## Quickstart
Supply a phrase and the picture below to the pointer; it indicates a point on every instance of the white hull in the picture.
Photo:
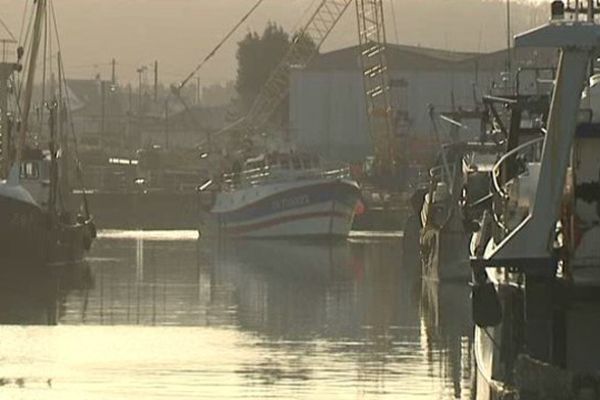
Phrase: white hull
(318, 207)
(325, 219)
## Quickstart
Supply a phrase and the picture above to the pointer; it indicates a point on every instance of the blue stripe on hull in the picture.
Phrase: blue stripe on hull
(292, 199)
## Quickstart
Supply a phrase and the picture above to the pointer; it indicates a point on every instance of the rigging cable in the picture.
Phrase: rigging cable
(220, 44)
(62, 80)
(7, 30)
(26, 29)
(44, 70)
(23, 20)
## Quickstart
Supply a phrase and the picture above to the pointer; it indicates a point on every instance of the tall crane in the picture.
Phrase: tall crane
(303, 49)
(376, 80)
(306, 45)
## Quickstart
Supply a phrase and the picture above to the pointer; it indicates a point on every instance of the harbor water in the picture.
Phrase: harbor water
(156, 315)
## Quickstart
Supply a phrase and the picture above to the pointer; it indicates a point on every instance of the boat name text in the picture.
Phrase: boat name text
(291, 202)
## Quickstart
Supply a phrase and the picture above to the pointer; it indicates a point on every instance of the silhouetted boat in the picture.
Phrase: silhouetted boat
(37, 225)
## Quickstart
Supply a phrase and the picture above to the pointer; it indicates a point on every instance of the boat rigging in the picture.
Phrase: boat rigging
(39, 225)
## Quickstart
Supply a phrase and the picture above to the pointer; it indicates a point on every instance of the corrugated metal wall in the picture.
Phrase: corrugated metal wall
(327, 110)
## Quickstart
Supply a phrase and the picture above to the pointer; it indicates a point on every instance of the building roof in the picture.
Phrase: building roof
(405, 57)
(85, 96)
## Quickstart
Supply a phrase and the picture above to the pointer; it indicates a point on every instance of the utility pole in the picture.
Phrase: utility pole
(103, 107)
(129, 138)
(130, 98)
(155, 81)
(167, 124)
(140, 72)
(114, 72)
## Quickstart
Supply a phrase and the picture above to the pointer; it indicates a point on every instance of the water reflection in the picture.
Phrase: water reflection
(307, 290)
(246, 319)
(447, 328)
(36, 295)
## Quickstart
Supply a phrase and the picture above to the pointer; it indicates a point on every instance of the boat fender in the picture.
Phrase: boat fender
(87, 240)
(93, 230)
(89, 235)
(487, 310)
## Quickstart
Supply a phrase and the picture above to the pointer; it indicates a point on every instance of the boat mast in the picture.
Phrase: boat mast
(26, 107)
(508, 42)
(62, 115)
(6, 70)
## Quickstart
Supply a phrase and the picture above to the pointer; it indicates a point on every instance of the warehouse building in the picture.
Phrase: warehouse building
(327, 107)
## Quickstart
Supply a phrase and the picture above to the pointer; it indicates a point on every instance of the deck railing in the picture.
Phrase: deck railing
(268, 174)
(508, 212)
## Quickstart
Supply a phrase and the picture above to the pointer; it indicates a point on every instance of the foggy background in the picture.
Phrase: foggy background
(179, 33)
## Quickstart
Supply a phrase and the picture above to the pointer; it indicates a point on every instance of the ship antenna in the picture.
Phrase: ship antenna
(508, 42)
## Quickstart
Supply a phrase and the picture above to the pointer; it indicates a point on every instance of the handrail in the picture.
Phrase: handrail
(502, 160)
(266, 174)
(443, 173)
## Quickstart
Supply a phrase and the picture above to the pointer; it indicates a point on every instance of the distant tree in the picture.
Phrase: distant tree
(257, 56)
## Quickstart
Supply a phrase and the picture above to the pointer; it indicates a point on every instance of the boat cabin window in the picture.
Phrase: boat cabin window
(30, 170)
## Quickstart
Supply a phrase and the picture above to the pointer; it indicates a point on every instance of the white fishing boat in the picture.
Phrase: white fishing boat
(286, 195)
(454, 195)
(536, 260)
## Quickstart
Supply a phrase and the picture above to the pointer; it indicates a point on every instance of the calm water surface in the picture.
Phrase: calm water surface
(162, 315)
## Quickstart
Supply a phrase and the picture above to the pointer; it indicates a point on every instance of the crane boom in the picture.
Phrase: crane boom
(303, 49)
(375, 75)
(376, 80)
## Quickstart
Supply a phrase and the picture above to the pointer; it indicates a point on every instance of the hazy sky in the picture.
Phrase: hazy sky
(179, 33)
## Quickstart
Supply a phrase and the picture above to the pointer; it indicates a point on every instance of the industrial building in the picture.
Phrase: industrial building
(327, 106)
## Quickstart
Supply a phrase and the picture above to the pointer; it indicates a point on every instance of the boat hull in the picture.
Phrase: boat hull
(445, 252)
(317, 208)
(23, 233)
(28, 238)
